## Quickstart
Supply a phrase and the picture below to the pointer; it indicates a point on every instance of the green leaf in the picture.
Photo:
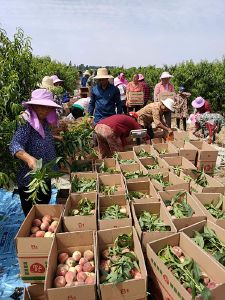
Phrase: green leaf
(196, 272)
(206, 294)
(39, 163)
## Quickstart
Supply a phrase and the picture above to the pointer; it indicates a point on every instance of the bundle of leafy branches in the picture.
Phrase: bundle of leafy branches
(216, 210)
(160, 179)
(108, 190)
(83, 184)
(211, 243)
(153, 167)
(179, 209)
(85, 208)
(137, 195)
(134, 175)
(188, 139)
(123, 262)
(143, 153)
(187, 272)
(80, 167)
(104, 169)
(162, 152)
(150, 222)
(200, 180)
(177, 169)
(123, 161)
(114, 212)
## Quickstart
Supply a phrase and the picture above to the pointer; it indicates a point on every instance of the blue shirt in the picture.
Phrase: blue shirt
(83, 81)
(28, 139)
(104, 102)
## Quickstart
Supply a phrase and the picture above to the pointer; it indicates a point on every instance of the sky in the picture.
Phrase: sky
(120, 32)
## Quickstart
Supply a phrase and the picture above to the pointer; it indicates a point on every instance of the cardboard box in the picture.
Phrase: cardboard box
(150, 161)
(133, 168)
(34, 292)
(179, 161)
(206, 152)
(79, 223)
(84, 89)
(62, 196)
(147, 148)
(144, 186)
(187, 221)
(181, 135)
(113, 179)
(33, 252)
(153, 208)
(207, 198)
(178, 183)
(158, 141)
(209, 167)
(166, 146)
(128, 155)
(111, 163)
(164, 96)
(83, 95)
(130, 289)
(136, 98)
(170, 286)
(214, 185)
(186, 150)
(68, 243)
(105, 202)
(86, 175)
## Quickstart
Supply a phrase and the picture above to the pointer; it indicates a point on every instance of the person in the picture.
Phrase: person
(122, 79)
(80, 74)
(202, 106)
(113, 131)
(181, 107)
(117, 78)
(111, 79)
(56, 80)
(80, 107)
(163, 87)
(91, 82)
(133, 86)
(34, 141)
(146, 89)
(85, 78)
(122, 87)
(153, 112)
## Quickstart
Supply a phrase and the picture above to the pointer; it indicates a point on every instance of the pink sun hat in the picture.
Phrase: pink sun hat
(140, 77)
(42, 97)
(198, 102)
(56, 79)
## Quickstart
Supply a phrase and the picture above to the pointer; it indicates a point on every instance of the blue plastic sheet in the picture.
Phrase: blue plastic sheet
(11, 218)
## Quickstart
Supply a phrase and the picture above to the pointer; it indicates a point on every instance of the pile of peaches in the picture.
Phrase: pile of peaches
(43, 228)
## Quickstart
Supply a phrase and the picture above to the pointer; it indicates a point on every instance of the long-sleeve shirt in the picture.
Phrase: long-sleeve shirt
(163, 88)
(122, 125)
(28, 139)
(103, 102)
(151, 113)
(206, 107)
(83, 81)
(146, 91)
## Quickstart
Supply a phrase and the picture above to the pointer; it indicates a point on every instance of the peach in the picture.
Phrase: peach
(81, 276)
(120, 188)
(87, 267)
(88, 254)
(34, 229)
(82, 261)
(87, 274)
(170, 269)
(69, 284)
(125, 250)
(61, 271)
(36, 222)
(193, 215)
(76, 255)
(92, 274)
(182, 259)
(93, 211)
(78, 268)
(90, 280)
(59, 282)
(133, 272)
(47, 219)
(70, 277)
(63, 257)
(189, 290)
(169, 207)
(66, 267)
(44, 226)
(173, 217)
(105, 267)
(40, 233)
(123, 210)
(52, 228)
(211, 285)
(137, 275)
(60, 266)
(77, 283)
(92, 264)
(115, 258)
(33, 235)
(70, 262)
(72, 269)
(102, 278)
(48, 234)
(205, 278)
(105, 253)
(54, 223)
(177, 251)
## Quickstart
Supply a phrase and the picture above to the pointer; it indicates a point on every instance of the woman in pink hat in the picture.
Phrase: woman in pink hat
(202, 106)
(57, 98)
(34, 141)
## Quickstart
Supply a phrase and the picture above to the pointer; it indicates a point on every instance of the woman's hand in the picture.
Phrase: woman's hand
(170, 131)
(32, 163)
(58, 138)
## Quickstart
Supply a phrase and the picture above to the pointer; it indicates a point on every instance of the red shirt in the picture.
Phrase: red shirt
(205, 108)
(122, 125)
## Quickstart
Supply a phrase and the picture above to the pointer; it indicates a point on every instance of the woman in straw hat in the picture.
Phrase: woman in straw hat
(85, 78)
(34, 141)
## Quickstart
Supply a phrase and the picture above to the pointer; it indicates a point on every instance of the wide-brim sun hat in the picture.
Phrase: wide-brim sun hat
(102, 73)
(141, 77)
(56, 79)
(47, 82)
(42, 97)
(166, 75)
(169, 103)
(198, 102)
(86, 73)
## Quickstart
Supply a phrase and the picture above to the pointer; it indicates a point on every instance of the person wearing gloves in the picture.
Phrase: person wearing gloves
(163, 87)
(34, 141)
(113, 131)
(201, 106)
(181, 107)
(153, 112)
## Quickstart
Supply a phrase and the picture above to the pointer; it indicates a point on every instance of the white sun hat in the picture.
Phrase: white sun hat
(169, 103)
(166, 75)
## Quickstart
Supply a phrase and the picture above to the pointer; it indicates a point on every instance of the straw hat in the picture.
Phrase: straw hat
(166, 75)
(169, 103)
(86, 73)
(42, 97)
(47, 82)
(102, 73)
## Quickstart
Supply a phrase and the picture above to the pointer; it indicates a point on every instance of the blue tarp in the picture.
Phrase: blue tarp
(11, 218)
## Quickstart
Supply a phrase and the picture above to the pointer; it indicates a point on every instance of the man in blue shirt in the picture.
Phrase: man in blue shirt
(85, 78)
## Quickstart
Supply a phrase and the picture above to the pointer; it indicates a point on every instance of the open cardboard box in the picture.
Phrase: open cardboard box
(166, 146)
(68, 243)
(171, 288)
(153, 208)
(144, 186)
(186, 221)
(158, 141)
(132, 168)
(62, 196)
(129, 289)
(214, 185)
(111, 163)
(150, 161)
(180, 136)
(111, 180)
(128, 155)
(79, 223)
(206, 152)
(178, 161)
(87, 175)
(147, 148)
(186, 150)
(105, 202)
(34, 292)
(207, 198)
(177, 182)
(33, 252)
